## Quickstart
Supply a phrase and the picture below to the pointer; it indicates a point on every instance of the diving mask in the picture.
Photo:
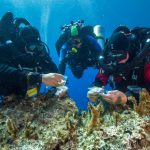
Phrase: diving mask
(35, 47)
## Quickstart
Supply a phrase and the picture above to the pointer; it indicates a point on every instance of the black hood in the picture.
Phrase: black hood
(118, 41)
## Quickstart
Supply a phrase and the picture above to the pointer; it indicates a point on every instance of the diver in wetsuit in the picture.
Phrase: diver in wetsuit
(17, 64)
(126, 59)
(79, 49)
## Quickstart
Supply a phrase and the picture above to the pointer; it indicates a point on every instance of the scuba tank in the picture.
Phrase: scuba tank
(99, 32)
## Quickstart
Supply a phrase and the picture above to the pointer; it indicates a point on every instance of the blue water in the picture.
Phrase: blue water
(49, 15)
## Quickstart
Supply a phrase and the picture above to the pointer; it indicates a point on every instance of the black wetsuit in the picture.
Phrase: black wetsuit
(135, 72)
(12, 79)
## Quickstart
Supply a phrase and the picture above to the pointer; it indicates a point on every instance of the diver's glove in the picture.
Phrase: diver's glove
(53, 79)
(94, 93)
(114, 97)
(61, 91)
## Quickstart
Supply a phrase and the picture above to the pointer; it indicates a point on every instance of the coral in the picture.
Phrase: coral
(117, 118)
(5, 148)
(29, 134)
(134, 101)
(95, 114)
(11, 128)
(144, 105)
(143, 108)
(72, 125)
(49, 123)
(109, 136)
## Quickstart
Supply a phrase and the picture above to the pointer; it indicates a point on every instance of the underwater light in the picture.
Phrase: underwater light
(101, 57)
(148, 40)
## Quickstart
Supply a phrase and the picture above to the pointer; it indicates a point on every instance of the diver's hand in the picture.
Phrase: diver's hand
(115, 97)
(62, 91)
(94, 93)
(53, 79)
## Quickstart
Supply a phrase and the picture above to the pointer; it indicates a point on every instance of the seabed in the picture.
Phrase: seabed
(50, 123)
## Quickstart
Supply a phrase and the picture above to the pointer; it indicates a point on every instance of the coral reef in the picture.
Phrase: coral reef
(50, 123)
(143, 108)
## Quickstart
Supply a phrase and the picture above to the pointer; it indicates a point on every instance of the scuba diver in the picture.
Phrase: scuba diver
(78, 48)
(24, 60)
(127, 60)
(24, 45)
